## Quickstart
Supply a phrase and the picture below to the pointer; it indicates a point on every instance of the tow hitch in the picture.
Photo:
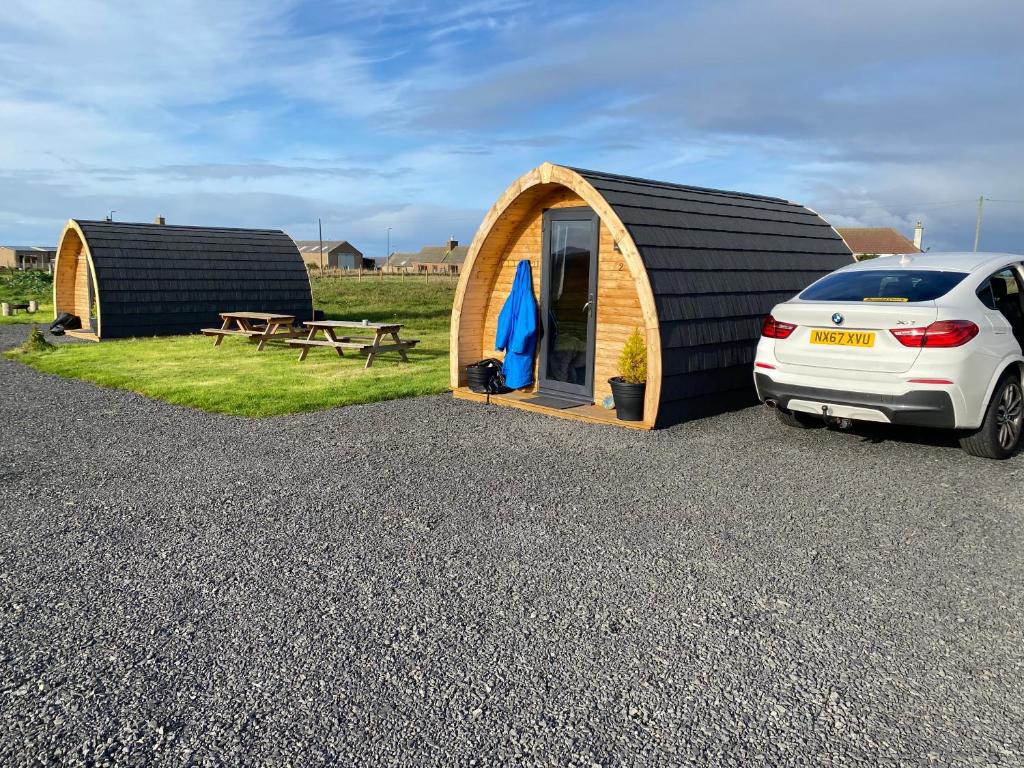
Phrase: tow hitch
(836, 422)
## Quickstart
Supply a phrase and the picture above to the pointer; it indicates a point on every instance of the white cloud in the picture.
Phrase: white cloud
(387, 109)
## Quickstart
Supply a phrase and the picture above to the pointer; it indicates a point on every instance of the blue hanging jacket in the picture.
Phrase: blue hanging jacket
(517, 329)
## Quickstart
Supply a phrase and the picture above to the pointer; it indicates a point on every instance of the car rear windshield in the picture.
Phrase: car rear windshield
(884, 285)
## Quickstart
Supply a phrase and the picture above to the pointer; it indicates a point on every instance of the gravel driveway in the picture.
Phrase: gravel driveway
(432, 582)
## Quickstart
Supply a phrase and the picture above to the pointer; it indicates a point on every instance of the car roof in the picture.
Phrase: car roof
(953, 262)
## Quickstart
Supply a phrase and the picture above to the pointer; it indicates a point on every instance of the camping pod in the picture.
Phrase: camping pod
(125, 280)
(694, 269)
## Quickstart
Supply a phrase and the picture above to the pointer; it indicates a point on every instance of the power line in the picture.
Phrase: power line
(911, 206)
(915, 206)
(939, 205)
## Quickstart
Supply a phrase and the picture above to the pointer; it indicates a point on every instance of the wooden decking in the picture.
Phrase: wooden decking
(82, 334)
(593, 414)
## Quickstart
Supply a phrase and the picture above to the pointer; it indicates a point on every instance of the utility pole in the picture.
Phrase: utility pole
(387, 253)
(320, 229)
(977, 225)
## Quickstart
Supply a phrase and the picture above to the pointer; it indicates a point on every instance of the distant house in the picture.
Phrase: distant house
(446, 259)
(869, 242)
(401, 261)
(27, 257)
(338, 254)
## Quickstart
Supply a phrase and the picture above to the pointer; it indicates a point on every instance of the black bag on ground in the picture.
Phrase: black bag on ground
(485, 377)
(65, 322)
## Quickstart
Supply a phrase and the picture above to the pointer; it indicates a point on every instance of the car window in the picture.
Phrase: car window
(1009, 276)
(985, 294)
(1001, 287)
(884, 285)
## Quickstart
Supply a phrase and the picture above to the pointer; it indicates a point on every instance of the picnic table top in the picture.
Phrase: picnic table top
(349, 324)
(258, 315)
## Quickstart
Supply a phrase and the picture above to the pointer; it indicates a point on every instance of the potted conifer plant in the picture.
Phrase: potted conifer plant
(629, 387)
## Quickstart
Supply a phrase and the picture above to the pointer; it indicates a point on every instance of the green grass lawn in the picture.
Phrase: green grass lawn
(236, 379)
(20, 287)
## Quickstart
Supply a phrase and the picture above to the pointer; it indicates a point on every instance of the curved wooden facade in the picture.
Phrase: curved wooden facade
(695, 269)
(126, 280)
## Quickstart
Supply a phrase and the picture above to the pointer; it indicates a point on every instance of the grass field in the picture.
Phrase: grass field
(21, 287)
(236, 379)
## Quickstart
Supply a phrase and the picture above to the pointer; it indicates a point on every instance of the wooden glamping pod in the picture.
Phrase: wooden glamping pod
(696, 270)
(126, 280)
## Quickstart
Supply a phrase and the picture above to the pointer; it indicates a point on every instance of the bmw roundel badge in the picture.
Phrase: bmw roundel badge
(837, 319)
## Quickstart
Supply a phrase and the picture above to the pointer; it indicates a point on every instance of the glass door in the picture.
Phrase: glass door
(568, 295)
(93, 326)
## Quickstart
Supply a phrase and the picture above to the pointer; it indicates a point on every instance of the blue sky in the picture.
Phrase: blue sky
(416, 115)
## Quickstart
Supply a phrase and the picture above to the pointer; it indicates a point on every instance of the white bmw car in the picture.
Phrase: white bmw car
(932, 339)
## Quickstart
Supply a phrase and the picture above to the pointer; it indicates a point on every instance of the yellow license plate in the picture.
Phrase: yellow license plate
(843, 338)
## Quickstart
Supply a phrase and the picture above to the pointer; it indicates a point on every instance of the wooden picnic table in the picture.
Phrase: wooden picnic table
(245, 324)
(363, 344)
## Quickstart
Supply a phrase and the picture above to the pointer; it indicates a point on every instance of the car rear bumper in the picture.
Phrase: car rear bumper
(919, 408)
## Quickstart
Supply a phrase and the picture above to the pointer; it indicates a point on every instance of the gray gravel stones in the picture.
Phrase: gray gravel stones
(431, 582)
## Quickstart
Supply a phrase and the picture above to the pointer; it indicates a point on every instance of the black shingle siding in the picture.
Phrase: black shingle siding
(158, 280)
(707, 357)
(622, 201)
(713, 259)
(717, 262)
(640, 189)
(665, 281)
(698, 221)
(725, 305)
(816, 240)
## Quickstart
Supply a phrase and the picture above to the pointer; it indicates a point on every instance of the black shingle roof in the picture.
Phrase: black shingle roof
(164, 279)
(718, 261)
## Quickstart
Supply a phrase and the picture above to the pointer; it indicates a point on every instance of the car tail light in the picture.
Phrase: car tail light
(765, 365)
(775, 329)
(942, 333)
(929, 381)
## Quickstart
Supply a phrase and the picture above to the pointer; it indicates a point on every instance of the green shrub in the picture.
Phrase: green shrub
(29, 281)
(633, 360)
(36, 342)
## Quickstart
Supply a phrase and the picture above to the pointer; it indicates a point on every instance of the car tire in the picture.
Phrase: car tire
(797, 420)
(1000, 433)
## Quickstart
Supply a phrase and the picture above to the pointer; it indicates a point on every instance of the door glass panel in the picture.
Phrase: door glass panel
(568, 321)
(1006, 296)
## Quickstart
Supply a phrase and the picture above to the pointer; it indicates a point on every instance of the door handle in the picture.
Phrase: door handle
(588, 306)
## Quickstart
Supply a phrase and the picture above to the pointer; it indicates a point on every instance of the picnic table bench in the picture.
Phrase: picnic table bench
(365, 345)
(256, 326)
(12, 308)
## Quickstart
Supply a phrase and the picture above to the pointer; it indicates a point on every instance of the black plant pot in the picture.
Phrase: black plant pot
(629, 399)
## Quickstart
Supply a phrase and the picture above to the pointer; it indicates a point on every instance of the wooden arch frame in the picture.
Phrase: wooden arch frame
(494, 233)
(73, 230)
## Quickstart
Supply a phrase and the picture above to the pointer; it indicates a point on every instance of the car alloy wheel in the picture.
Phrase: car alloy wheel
(1010, 415)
